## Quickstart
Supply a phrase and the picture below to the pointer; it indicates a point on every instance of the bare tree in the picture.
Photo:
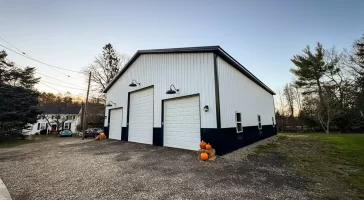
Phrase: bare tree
(289, 94)
(104, 68)
(328, 111)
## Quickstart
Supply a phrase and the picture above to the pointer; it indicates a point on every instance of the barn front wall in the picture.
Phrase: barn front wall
(218, 85)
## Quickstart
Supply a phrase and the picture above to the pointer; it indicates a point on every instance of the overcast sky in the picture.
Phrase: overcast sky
(261, 35)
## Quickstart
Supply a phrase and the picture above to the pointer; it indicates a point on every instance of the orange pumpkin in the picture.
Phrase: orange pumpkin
(208, 147)
(204, 156)
(202, 144)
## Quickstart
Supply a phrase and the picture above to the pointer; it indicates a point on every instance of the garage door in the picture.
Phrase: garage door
(141, 116)
(182, 123)
(116, 118)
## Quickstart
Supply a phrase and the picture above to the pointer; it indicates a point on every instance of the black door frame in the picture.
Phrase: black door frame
(108, 120)
(128, 112)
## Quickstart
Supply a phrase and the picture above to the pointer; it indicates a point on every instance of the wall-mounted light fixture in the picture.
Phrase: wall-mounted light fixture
(110, 104)
(172, 91)
(134, 83)
(206, 108)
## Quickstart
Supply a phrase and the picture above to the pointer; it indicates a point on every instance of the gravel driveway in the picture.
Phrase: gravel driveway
(69, 168)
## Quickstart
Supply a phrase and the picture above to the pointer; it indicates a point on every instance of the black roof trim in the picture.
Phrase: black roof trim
(215, 49)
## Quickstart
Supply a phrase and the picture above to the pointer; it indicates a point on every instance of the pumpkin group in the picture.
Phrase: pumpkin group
(204, 156)
(208, 147)
(202, 144)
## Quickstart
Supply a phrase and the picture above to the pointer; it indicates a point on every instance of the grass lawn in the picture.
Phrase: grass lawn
(27, 140)
(335, 162)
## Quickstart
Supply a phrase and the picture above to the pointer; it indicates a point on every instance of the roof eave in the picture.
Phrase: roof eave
(216, 49)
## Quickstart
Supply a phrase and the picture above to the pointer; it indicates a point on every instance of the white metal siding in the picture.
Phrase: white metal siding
(192, 73)
(141, 116)
(182, 123)
(115, 123)
(240, 94)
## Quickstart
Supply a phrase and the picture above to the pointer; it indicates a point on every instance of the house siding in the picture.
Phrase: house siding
(191, 73)
(34, 127)
(240, 94)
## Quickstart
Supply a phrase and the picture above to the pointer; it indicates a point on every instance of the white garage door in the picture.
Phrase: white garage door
(116, 118)
(182, 123)
(141, 116)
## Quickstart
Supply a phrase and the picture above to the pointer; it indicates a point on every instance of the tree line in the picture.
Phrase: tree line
(327, 93)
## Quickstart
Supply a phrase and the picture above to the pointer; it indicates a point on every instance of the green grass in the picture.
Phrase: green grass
(27, 140)
(334, 161)
(14, 143)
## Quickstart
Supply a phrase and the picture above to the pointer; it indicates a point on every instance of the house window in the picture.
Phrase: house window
(74, 116)
(52, 116)
(259, 123)
(42, 126)
(274, 124)
(239, 125)
(67, 125)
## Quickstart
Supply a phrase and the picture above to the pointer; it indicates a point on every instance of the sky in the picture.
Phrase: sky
(263, 35)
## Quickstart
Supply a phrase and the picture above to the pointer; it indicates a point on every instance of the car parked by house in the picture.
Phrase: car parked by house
(65, 132)
(93, 132)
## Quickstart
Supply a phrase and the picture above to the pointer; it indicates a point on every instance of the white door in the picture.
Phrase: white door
(141, 116)
(116, 118)
(182, 123)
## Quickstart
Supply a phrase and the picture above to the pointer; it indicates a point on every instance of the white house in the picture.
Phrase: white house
(67, 117)
(178, 97)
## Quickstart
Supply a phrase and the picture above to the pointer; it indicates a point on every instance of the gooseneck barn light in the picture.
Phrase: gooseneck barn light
(172, 91)
(110, 104)
(134, 83)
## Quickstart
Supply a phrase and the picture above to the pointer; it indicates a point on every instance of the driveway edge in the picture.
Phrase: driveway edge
(4, 193)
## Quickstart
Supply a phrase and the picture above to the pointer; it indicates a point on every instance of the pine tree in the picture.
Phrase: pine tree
(112, 60)
(18, 102)
(310, 69)
(358, 58)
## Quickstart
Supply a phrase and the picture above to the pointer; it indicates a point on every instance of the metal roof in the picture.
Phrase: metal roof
(204, 49)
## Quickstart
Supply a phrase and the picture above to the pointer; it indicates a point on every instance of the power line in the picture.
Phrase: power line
(57, 79)
(44, 74)
(12, 45)
(61, 85)
(25, 55)
(24, 67)
(52, 87)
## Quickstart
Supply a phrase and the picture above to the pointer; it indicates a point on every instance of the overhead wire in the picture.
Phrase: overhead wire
(12, 45)
(51, 87)
(62, 85)
(44, 74)
(26, 56)
(22, 53)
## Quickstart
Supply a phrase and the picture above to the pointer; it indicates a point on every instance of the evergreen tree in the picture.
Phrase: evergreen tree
(111, 60)
(18, 102)
(12, 75)
(310, 70)
(358, 59)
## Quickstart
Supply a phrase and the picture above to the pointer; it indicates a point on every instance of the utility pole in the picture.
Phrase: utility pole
(86, 104)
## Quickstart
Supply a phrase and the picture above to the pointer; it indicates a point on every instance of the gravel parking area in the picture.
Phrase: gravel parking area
(69, 168)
